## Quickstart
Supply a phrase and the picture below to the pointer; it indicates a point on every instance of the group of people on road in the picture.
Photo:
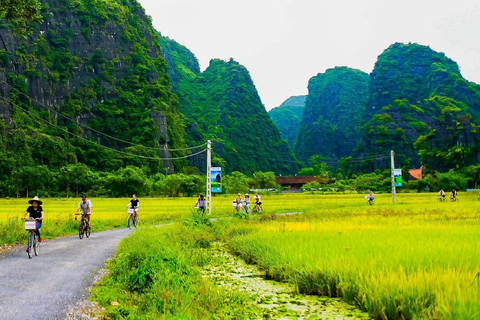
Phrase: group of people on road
(35, 211)
(240, 203)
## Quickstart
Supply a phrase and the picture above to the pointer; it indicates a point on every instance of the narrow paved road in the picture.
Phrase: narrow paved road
(45, 286)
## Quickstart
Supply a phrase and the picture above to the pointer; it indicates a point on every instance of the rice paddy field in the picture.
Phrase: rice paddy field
(419, 258)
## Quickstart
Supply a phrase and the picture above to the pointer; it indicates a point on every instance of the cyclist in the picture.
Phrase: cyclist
(134, 204)
(370, 196)
(86, 206)
(453, 195)
(441, 195)
(246, 202)
(238, 202)
(35, 211)
(258, 202)
(200, 203)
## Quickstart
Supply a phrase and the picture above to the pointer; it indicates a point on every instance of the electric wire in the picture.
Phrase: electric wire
(94, 130)
(95, 143)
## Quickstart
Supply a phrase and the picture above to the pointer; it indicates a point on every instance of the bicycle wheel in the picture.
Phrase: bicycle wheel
(80, 230)
(30, 245)
(135, 221)
(130, 221)
(87, 229)
(36, 245)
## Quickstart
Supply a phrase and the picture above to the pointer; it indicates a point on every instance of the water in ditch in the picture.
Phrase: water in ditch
(276, 300)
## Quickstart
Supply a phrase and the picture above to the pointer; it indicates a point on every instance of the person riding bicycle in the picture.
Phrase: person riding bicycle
(200, 203)
(86, 206)
(258, 202)
(453, 195)
(238, 202)
(35, 211)
(371, 196)
(134, 204)
(246, 202)
(441, 195)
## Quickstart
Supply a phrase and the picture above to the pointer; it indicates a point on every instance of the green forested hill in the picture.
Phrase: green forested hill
(89, 67)
(222, 104)
(333, 114)
(419, 94)
(287, 117)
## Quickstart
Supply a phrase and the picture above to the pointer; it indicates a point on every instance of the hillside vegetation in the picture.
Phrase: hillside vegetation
(414, 102)
(89, 67)
(287, 117)
(333, 114)
(223, 105)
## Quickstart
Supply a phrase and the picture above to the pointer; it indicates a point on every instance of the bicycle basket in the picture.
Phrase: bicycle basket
(30, 225)
(130, 211)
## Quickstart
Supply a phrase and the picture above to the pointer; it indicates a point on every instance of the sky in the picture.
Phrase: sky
(283, 43)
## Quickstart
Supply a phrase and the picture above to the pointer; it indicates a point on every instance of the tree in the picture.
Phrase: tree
(236, 182)
(192, 184)
(21, 12)
(172, 186)
(127, 181)
(312, 186)
(264, 180)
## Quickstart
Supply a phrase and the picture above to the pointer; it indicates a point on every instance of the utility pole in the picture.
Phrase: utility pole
(209, 177)
(394, 191)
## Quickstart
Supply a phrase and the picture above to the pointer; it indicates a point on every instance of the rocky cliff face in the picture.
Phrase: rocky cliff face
(222, 104)
(415, 92)
(287, 117)
(97, 62)
(333, 114)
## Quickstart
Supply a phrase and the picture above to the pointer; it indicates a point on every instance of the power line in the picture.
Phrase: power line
(98, 144)
(353, 160)
(96, 131)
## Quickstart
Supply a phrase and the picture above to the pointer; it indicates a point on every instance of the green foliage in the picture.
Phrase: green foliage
(155, 274)
(287, 118)
(312, 186)
(222, 104)
(333, 114)
(421, 107)
(264, 180)
(236, 182)
(22, 13)
(122, 90)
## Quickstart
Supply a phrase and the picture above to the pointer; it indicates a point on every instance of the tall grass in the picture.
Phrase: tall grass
(419, 259)
(156, 275)
(106, 214)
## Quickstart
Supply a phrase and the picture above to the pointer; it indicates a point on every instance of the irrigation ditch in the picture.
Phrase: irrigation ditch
(277, 300)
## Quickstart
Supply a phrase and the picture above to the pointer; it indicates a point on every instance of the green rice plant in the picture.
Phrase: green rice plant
(418, 259)
(156, 275)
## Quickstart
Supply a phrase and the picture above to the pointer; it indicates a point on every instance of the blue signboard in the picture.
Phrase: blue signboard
(216, 179)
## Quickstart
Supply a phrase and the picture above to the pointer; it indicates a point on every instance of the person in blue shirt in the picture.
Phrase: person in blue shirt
(200, 203)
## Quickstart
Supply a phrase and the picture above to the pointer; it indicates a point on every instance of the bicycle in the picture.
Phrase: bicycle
(257, 208)
(441, 199)
(33, 243)
(239, 210)
(371, 201)
(200, 210)
(132, 219)
(453, 199)
(237, 206)
(83, 228)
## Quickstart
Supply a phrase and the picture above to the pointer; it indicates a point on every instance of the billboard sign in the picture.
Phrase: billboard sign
(397, 173)
(216, 179)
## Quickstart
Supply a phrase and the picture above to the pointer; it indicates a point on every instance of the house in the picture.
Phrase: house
(415, 174)
(295, 183)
